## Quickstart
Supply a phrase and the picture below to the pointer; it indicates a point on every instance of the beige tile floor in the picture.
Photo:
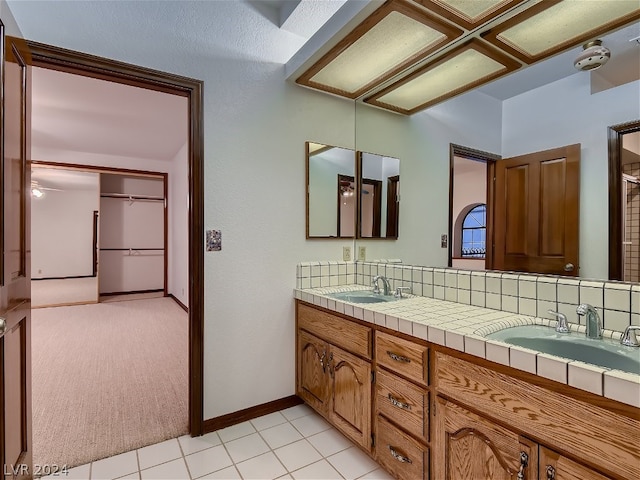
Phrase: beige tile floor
(295, 443)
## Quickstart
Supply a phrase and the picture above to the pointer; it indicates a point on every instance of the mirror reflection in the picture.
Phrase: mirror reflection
(331, 191)
(380, 189)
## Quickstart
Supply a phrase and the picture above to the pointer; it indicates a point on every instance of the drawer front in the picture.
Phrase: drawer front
(350, 336)
(403, 357)
(400, 454)
(403, 403)
(588, 432)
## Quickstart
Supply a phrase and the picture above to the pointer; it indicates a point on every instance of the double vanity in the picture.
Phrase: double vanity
(439, 389)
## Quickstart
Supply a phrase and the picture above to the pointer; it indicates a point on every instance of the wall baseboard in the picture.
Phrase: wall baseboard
(110, 294)
(182, 305)
(62, 278)
(223, 421)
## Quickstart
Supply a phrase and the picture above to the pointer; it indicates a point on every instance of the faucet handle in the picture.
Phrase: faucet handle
(562, 326)
(399, 290)
(629, 337)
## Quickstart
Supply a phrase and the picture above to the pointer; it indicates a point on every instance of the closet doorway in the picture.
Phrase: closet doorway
(190, 201)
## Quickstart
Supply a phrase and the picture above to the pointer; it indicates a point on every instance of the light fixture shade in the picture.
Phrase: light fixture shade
(593, 56)
(552, 26)
(470, 65)
(394, 37)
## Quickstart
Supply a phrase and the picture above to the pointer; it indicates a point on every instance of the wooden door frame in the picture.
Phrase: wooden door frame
(55, 58)
(490, 159)
(615, 134)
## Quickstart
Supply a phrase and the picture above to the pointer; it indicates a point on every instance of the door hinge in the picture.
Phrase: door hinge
(373, 440)
(373, 376)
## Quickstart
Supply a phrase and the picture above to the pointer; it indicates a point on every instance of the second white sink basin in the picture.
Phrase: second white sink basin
(574, 346)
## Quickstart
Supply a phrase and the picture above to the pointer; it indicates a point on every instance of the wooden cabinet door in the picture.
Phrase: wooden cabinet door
(470, 447)
(537, 212)
(312, 371)
(350, 407)
(554, 466)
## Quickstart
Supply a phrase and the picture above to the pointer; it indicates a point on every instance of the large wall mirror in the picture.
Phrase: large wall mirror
(379, 196)
(331, 191)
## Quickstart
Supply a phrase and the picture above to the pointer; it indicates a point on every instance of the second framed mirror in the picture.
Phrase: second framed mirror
(379, 193)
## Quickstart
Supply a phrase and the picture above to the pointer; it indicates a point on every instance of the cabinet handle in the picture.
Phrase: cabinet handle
(330, 365)
(397, 403)
(551, 473)
(397, 456)
(524, 462)
(398, 358)
(322, 364)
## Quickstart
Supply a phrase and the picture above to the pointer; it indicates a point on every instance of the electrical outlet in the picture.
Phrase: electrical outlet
(362, 253)
(346, 254)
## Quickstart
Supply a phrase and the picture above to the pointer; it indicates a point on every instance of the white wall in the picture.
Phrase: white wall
(178, 261)
(62, 233)
(565, 113)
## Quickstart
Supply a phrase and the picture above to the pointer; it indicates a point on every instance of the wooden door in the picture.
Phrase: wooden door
(15, 288)
(470, 447)
(312, 371)
(554, 466)
(536, 210)
(350, 407)
(393, 206)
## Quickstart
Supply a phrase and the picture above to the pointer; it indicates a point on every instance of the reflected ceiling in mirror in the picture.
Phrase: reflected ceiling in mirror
(331, 191)
(380, 189)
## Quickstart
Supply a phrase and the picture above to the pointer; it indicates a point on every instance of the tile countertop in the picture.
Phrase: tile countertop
(464, 327)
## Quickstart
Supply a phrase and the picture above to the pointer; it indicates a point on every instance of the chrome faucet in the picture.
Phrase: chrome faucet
(562, 326)
(593, 322)
(629, 337)
(385, 285)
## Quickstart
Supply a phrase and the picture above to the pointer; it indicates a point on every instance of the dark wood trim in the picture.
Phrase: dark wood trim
(131, 292)
(479, 156)
(47, 56)
(403, 7)
(62, 278)
(165, 187)
(96, 219)
(224, 421)
(2, 176)
(97, 169)
(615, 134)
(180, 304)
(393, 207)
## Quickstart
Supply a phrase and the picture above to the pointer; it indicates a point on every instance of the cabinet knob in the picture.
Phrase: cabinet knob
(398, 358)
(569, 267)
(524, 462)
(401, 458)
(551, 473)
(397, 403)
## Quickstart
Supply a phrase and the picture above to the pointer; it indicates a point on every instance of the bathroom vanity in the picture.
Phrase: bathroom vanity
(426, 409)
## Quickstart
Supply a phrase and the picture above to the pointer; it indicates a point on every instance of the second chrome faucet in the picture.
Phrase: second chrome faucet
(593, 322)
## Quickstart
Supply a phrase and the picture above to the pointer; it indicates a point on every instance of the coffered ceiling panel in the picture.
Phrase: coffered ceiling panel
(551, 26)
(465, 67)
(469, 13)
(396, 36)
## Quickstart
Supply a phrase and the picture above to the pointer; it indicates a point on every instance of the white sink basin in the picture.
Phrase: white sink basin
(362, 296)
(574, 346)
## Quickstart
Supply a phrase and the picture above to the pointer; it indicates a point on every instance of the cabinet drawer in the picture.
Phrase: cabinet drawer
(402, 356)
(593, 434)
(400, 454)
(351, 336)
(404, 403)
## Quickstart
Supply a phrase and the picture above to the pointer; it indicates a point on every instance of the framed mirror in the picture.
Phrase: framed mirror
(331, 191)
(378, 210)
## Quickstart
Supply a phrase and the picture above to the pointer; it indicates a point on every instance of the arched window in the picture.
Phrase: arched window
(474, 232)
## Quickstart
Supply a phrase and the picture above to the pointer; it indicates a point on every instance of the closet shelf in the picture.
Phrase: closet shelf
(126, 196)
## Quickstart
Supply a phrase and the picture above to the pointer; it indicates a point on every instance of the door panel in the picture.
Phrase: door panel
(313, 361)
(537, 212)
(351, 396)
(554, 466)
(15, 288)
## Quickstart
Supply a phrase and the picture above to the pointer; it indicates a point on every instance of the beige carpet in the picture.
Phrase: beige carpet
(107, 378)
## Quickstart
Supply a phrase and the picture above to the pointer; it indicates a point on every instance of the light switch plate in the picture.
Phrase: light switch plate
(346, 254)
(362, 254)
